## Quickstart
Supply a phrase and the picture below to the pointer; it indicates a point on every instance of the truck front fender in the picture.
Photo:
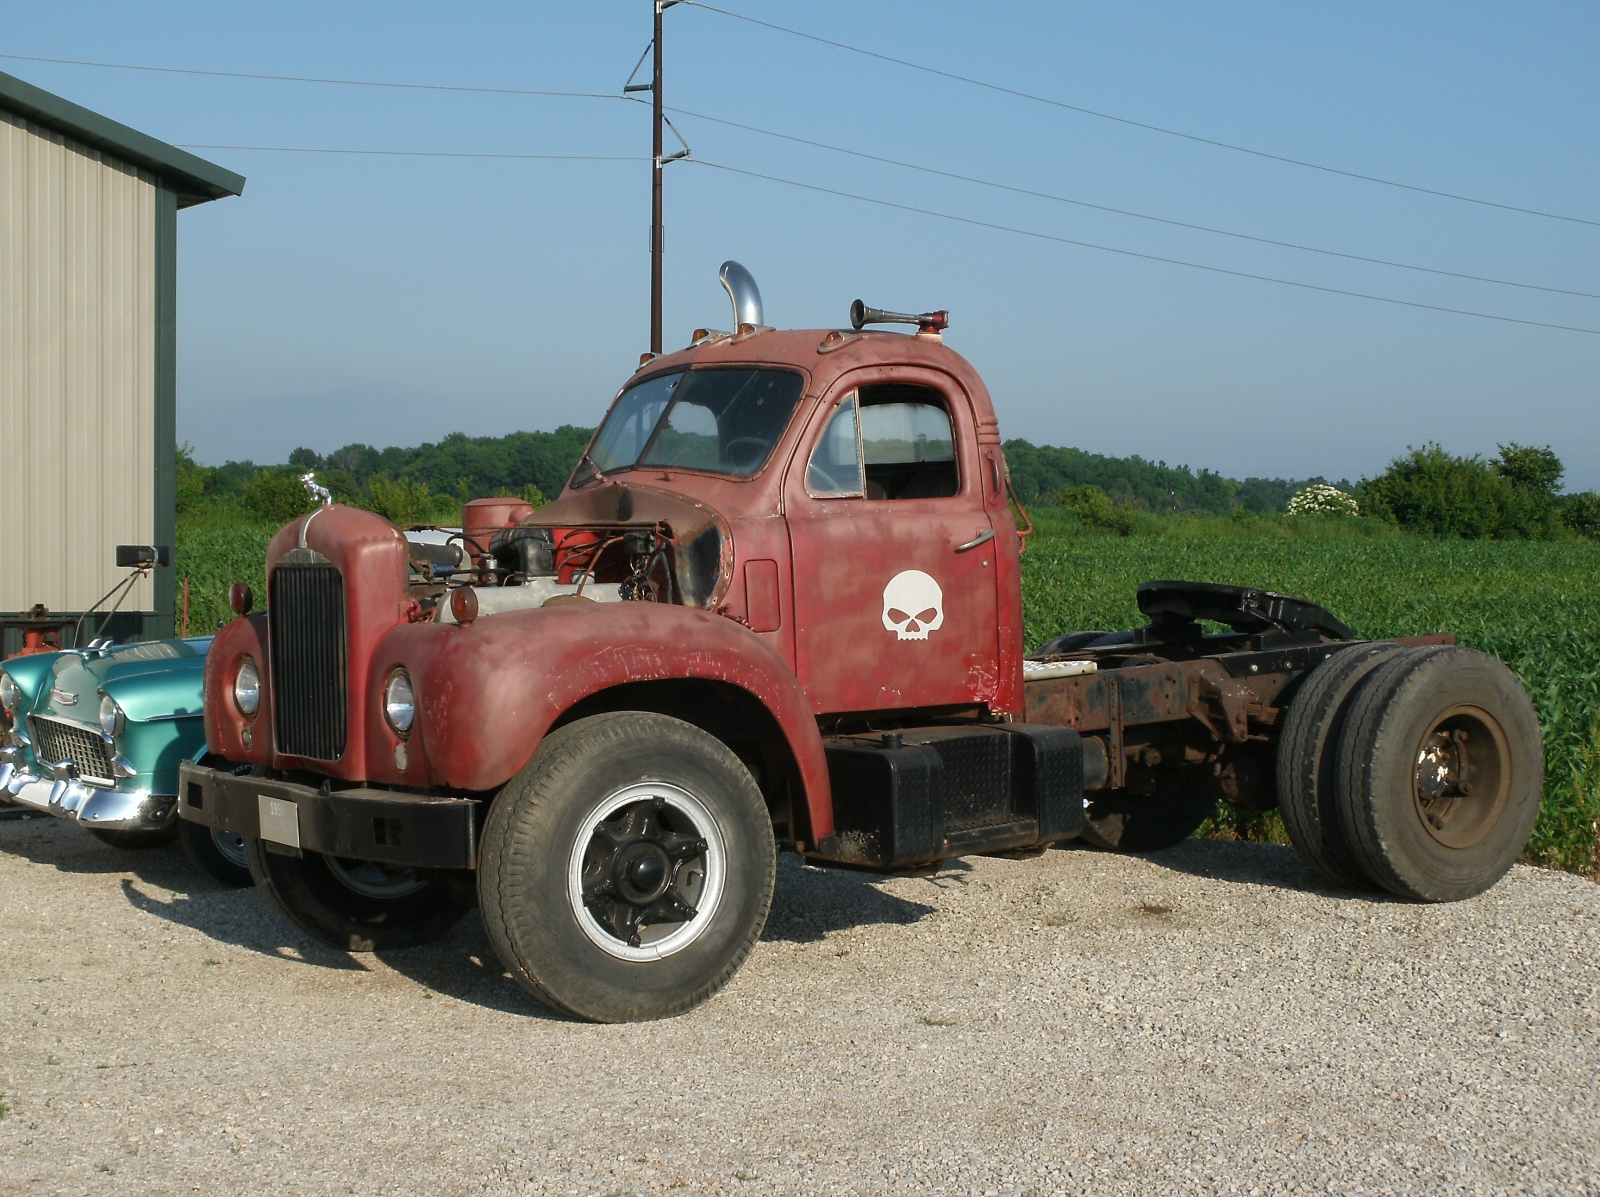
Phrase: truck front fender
(488, 692)
(226, 728)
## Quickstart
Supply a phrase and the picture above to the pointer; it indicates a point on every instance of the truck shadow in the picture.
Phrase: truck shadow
(810, 902)
(1247, 862)
(235, 917)
(462, 965)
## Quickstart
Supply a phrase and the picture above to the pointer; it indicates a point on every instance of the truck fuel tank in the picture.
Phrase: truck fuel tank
(918, 795)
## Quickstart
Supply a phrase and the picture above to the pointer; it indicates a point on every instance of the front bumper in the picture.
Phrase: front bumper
(388, 826)
(71, 798)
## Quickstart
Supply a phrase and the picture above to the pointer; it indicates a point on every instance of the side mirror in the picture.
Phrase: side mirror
(132, 555)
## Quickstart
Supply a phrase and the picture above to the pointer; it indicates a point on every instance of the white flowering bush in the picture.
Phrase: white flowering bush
(1322, 499)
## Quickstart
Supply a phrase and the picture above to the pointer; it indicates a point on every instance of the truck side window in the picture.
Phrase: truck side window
(906, 443)
(834, 470)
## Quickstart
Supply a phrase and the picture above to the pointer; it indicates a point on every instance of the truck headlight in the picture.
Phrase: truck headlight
(9, 693)
(247, 689)
(399, 702)
(110, 716)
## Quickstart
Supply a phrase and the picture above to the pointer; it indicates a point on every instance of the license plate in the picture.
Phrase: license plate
(280, 820)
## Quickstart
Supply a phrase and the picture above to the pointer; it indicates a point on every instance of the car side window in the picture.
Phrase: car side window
(907, 447)
(834, 471)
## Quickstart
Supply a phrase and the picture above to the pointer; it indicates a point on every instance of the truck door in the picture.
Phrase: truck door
(893, 552)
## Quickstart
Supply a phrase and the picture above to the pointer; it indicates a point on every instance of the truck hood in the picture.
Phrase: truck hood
(703, 538)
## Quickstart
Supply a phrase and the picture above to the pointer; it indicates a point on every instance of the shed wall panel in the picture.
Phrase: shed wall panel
(77, 368)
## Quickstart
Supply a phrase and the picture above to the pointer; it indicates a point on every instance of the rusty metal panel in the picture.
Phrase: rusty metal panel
(77, 368)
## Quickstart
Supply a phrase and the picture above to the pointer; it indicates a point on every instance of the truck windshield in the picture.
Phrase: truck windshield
(721, 420)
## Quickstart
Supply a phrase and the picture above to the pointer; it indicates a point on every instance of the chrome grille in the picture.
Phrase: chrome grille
(305, 610)
(56, 740)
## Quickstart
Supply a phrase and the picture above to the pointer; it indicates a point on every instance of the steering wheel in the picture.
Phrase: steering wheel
(755, 451)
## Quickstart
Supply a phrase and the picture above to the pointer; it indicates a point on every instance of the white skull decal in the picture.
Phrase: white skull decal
(913, 605)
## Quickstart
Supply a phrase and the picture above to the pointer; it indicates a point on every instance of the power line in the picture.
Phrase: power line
(508, 91)
(490, 91)
(866, 199)
(869, 157)
(1370, 81)
(1129, 253)
(306, 149)
(1180, 224)
(1123, 120)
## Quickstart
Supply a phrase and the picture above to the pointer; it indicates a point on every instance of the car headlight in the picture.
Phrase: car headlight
(10, 692)
(110, 716)
(399, 702)
(247, 689)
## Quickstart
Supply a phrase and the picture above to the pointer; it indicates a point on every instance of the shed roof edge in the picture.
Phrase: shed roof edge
(193, 177)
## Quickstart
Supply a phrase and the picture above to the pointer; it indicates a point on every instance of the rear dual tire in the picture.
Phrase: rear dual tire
(1415, 770)
(1308, 756)
(1440, 773)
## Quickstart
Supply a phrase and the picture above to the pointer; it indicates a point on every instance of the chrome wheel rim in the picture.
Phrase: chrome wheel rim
(373, 880)
(646, 873)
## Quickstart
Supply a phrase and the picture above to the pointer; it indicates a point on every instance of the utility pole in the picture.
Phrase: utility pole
(658, 162)
(657, 166)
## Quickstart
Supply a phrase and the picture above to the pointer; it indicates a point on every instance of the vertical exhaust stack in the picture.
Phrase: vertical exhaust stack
(741, 288)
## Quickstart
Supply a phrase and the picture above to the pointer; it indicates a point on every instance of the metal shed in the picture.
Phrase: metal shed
(88, 353)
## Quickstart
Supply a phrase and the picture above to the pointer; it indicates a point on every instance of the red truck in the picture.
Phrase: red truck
(778, 606)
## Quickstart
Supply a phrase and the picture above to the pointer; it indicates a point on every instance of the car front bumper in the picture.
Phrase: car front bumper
(388, 826)
(73, 798)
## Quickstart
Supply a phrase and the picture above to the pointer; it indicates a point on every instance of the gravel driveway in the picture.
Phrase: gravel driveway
(1201, 1020)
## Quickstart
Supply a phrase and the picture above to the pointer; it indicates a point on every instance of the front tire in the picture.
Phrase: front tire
(627, 871)
(219, 854)
(354, 905)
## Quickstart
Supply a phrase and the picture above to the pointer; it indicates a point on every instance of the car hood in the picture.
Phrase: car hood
(148, 680)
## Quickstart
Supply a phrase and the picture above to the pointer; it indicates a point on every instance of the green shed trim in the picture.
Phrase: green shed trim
(191, 179)
(166, 413)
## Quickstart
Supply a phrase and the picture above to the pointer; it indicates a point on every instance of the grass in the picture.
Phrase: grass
(1533, 604)
(214, 554)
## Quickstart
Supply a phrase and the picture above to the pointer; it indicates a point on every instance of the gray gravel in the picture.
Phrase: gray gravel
(1202, 1020)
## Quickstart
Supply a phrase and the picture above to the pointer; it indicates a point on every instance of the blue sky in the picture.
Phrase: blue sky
(393, 300)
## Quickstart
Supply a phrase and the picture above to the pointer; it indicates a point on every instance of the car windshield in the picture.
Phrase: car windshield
(724, 421)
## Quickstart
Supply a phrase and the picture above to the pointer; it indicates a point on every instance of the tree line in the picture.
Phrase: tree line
(1516, 494)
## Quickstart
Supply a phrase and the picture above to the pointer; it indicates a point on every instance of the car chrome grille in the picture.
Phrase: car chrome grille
(57, 740)
(306, 618)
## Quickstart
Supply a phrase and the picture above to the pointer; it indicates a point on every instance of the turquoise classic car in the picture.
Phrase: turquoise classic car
(96, 734)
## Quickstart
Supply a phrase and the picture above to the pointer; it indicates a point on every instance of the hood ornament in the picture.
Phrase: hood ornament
(318, 492)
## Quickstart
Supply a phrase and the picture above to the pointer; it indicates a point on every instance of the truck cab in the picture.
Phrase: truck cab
(778, 605)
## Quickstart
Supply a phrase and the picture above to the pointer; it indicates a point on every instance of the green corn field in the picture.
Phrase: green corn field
(1535, 605)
